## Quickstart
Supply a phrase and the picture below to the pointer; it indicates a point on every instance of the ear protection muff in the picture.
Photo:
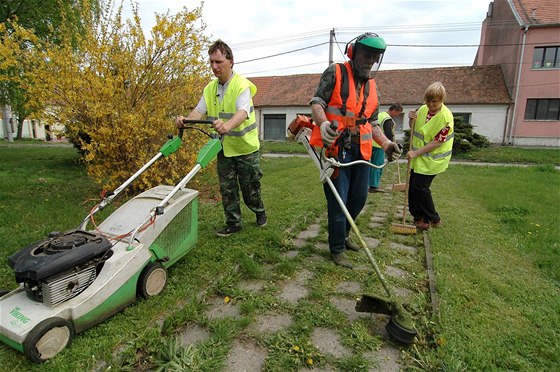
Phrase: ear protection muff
(351, 45)
(349, 49)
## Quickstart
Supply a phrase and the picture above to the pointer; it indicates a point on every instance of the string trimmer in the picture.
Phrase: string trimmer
(400, 325)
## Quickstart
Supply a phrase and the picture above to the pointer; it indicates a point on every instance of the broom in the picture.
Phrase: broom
(404, 228)
(400, 186)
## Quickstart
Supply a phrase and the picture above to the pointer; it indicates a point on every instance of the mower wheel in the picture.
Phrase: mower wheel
(152, 280)
(47, 339)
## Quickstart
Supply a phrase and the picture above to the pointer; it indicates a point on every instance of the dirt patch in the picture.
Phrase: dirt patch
(377, 325)
(303, 276)
(328, 342)
(271, 323)
(290, 254)
(246, 355)
(252, 286)
(220, 309)
(311, 232)
(348, 287)
(193, 334)
(371, 242)
(395, 272)
(299, 243)
(403, 293)
(315, 258)
(404, 248)
(346, 306)
(386, 359)
(381, 214)
(293, 292)
(377, 219)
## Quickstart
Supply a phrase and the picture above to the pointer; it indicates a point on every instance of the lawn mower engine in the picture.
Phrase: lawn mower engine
(60, 267)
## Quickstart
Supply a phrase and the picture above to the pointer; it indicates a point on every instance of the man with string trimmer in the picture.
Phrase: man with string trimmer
(346, 105)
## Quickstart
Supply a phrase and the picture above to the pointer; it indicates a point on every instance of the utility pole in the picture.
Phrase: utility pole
(331, 42)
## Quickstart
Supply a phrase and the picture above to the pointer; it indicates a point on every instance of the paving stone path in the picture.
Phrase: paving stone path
(403, 253)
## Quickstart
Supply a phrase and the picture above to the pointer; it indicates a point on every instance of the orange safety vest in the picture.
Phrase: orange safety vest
(350, 111)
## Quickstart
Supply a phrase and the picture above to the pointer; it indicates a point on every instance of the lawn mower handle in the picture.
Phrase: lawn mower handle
(192, 121)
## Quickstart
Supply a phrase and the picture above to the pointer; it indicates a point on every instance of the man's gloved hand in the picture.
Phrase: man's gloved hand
(393, 151)
(328, 134)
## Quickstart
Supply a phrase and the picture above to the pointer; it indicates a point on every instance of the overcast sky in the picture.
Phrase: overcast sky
(419, 34)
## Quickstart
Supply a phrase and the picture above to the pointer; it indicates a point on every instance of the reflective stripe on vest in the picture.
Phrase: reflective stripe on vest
(437, 160)
(244, 139)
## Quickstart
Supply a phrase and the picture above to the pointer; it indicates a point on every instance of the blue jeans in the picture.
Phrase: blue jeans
(352, 186)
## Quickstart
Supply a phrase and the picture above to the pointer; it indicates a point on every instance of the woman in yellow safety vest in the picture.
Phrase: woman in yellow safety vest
(432, 142)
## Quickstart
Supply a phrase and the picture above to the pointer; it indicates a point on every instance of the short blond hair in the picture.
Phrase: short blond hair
(436, 91)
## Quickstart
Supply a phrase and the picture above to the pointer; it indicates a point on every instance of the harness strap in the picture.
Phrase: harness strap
(344, 89)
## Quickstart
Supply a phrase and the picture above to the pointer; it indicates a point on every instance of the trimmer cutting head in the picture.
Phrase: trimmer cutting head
(400, 325)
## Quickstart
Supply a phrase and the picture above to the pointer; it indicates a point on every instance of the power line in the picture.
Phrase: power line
(389, 29)
(279, 54)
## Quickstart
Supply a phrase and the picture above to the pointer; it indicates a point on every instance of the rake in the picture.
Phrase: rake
(404, 228)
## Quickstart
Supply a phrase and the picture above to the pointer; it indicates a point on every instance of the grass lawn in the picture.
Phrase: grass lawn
(496, 259)
(497, 154)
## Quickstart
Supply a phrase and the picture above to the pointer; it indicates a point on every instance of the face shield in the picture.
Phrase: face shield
(369, 52)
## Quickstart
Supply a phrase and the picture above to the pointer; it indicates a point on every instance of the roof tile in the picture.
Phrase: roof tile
(538, 12)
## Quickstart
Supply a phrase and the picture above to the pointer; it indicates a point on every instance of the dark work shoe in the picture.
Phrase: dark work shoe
(351, 246)
(420, 224)
(228, 230)
(261, 219)
(371, 190)
(340, 260)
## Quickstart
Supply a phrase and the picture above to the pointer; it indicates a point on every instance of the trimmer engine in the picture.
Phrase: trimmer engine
(59, 268)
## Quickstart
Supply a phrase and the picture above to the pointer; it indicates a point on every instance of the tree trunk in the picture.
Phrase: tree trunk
(6, 121)
(20, 128)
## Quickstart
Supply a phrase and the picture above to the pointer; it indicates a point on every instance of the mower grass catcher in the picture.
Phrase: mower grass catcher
(76, 279)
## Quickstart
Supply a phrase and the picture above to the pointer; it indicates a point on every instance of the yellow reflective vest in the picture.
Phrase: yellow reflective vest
(436, 161)
(381, 119)
(244, 139)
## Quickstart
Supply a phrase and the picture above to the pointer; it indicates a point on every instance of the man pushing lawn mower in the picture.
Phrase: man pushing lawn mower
(227, 101)
(346, 105)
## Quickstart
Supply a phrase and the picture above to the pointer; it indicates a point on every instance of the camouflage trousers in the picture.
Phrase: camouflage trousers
(240, 172)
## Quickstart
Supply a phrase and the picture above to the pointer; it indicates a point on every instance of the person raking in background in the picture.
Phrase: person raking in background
(347, 97)
(432, 144)
(227, 100)
(386, 120)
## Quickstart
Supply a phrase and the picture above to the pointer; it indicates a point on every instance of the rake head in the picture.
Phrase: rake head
(399, 187)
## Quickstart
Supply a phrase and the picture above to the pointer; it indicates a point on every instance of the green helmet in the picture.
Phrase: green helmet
(373, 41)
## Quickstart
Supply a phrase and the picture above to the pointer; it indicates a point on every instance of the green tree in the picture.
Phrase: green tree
(45, 19)
(117, 91)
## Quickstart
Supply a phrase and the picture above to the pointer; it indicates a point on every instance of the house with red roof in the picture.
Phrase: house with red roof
(477, 94)
(511, 94)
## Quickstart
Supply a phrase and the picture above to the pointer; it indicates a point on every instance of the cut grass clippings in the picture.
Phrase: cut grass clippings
(496, 265)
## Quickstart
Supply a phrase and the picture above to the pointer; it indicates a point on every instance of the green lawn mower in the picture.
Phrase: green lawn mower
(75, 279)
